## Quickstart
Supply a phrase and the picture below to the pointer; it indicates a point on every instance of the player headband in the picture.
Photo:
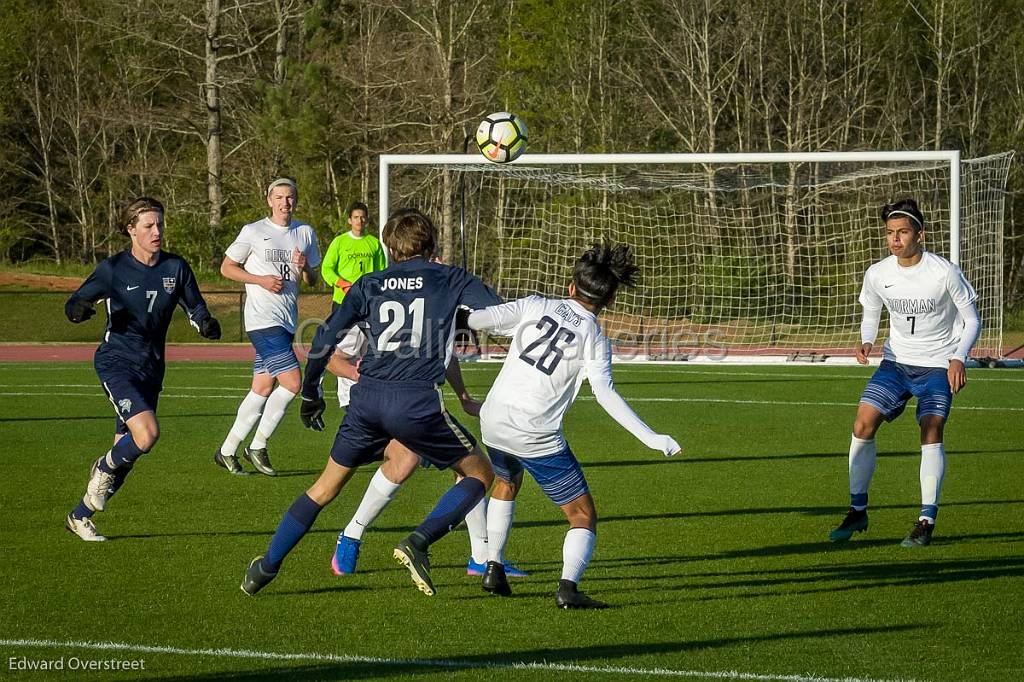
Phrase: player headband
(283, 181)
(587, 294)
(913, 217)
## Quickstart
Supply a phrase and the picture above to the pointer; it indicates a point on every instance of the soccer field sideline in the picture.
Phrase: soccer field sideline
(454, 664)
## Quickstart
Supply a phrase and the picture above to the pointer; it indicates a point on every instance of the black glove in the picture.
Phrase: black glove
(209, 328)
(312, 413)
(78, 310)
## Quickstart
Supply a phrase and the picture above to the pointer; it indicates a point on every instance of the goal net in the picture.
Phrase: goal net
(740, 255)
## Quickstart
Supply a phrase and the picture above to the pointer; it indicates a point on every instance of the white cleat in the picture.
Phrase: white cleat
(83, 528)
(100, 487)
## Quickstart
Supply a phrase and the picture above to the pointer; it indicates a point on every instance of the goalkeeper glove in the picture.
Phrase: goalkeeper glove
(209, 328)
(312, 413)
(78, 310)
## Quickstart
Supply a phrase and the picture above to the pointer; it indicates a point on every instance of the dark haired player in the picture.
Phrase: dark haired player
(557, 343)
(409, 309)
(141, 286)
(933, 324)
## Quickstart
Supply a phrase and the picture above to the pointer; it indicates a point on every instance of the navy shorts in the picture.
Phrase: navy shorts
(411, 412)
(559, 475)
(274, 352)
(130, 394)
(893, 385)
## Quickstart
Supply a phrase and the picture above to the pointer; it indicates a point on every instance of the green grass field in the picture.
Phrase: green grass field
(715, 561)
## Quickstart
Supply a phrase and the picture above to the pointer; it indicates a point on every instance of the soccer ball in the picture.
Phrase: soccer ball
(501, 137)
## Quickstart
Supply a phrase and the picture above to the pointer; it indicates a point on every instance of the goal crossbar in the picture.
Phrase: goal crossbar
(768, 247)
(951, 156)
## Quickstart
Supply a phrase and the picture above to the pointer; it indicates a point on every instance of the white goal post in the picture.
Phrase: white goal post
(744, 255)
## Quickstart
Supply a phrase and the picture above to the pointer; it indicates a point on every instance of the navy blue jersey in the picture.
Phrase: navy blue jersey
(408, 311)
(140, 301)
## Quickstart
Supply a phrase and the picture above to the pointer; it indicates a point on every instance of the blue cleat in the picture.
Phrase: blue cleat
(346, 554)
(511, 570)
(856, 521)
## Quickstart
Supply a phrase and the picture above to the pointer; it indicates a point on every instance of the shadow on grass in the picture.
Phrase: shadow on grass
(683, 459)
(628, 518)
(597, 655)
(867, 576)
(107, 417)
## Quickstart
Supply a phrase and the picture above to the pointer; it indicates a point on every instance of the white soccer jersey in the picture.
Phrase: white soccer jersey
(264, 248)
(924, 323)
(354, 345)
(556, 344)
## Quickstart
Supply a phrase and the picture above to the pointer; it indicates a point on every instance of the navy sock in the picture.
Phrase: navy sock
(82, 511)
(451, 509)
(125, 451)
(120, 474)
(296, 523)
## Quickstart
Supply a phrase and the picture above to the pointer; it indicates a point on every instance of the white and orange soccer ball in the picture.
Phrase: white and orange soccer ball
(502, 137)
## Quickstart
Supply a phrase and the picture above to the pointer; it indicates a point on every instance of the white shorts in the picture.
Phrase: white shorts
(354, 345)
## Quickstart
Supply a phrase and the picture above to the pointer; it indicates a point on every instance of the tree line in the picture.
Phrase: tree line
(201, 102)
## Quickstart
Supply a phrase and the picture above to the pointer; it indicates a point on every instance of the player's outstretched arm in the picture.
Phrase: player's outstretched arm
(500, 319)
(599, 374)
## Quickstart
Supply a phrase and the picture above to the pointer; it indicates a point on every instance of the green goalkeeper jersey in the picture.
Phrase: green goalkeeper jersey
(348, 258)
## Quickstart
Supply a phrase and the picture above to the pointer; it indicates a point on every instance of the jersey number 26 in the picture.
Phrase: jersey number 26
(556, 338)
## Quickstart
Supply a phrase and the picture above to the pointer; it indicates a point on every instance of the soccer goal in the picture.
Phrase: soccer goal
(742, 255)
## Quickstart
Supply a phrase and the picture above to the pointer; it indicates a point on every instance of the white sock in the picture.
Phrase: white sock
(499, 523)
(862, 466)
(277, 403)
(378, 495)
(248, 414)
(576, 552)
(933, 468)
(476, 524)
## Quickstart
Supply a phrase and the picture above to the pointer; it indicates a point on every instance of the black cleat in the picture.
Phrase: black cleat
(255, 577)
(495, 581)
(260, 460)
(418, 563)
(568, 597)
(856, 521)
(229, 462)
(920, 535)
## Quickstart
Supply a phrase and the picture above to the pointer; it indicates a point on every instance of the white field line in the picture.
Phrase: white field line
(490, 366)
(427, 663)
(235, 396)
